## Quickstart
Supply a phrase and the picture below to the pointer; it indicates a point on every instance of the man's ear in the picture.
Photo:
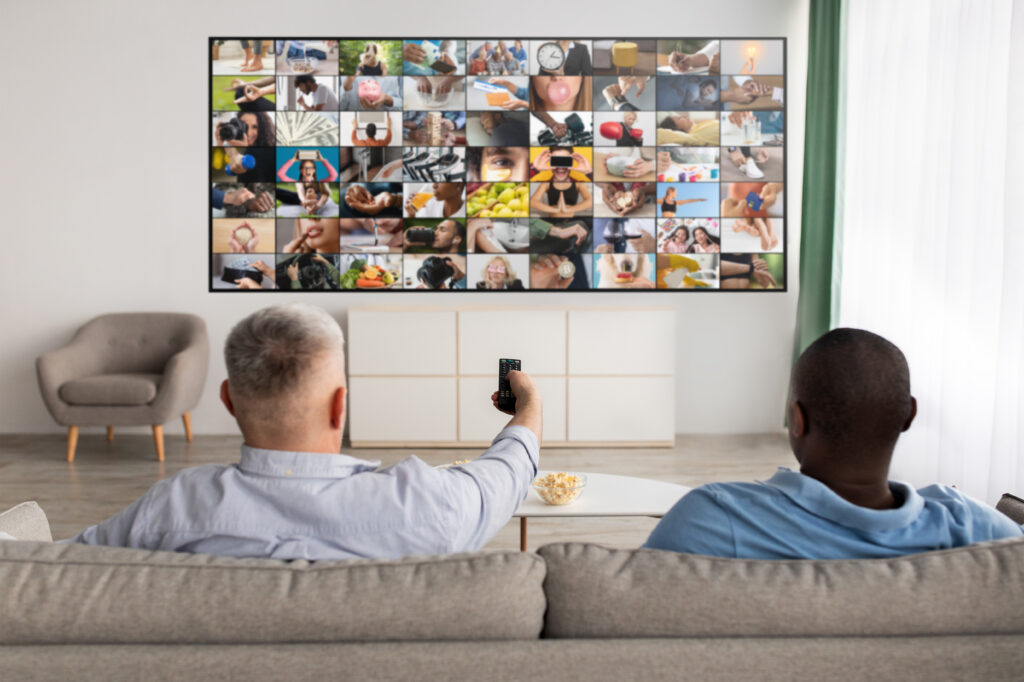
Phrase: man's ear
(225, 397)
(797, 419)
(338, 408)
(913, 413)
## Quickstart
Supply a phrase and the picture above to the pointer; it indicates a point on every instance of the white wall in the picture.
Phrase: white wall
(104, 124)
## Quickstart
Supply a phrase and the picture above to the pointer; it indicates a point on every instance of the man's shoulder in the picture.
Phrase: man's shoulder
(725, 494)
(985, 522)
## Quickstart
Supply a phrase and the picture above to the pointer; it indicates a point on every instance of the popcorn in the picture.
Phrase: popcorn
(559, 487)
(452, 464)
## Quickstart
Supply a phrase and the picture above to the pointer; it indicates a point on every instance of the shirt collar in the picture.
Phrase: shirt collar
(817, 498)
(302, 464)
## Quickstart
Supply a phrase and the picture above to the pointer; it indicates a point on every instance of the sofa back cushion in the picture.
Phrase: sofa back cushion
(69, 593)
(594, 591)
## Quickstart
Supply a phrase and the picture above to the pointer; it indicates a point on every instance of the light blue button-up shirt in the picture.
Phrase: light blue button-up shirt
(301, 505)
(794, 516)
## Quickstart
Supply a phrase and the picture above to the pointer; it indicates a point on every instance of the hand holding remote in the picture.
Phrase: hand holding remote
(524, 403)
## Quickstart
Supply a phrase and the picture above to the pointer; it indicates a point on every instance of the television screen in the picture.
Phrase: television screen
(495, 164)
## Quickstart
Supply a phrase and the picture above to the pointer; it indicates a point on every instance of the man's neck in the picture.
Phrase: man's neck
(870, 491)
(327, 443)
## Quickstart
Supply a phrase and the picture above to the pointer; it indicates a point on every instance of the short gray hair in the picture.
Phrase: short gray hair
(271, 351)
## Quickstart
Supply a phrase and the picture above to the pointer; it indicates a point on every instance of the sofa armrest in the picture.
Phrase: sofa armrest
(26, 521)
(75, 360)
(183, 380)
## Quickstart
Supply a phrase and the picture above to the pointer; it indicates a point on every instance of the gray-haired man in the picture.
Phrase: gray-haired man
(293, 496)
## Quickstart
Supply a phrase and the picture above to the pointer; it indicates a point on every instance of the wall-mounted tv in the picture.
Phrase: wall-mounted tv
(497, 164)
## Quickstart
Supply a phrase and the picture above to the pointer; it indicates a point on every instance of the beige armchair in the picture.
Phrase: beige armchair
(127, 369)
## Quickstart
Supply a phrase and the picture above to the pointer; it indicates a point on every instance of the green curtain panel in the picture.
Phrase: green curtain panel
(818, 234)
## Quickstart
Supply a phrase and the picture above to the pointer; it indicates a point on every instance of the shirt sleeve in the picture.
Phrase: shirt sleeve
(488, 490)
(696, 524)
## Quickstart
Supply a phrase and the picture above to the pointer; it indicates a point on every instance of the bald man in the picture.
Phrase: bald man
(293, 496)
(849, 402)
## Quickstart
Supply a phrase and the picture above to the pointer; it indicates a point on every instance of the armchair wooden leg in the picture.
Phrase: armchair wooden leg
(110, 433)
(187, 420)
(158, 440)
(72, 442)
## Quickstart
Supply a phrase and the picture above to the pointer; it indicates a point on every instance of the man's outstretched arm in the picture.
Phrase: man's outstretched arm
(488, 490)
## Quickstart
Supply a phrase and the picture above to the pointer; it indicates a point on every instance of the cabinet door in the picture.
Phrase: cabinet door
(617, 409)
(537, 337)
(402, 409)
(401, 342)
(622, 342)
(479, 421)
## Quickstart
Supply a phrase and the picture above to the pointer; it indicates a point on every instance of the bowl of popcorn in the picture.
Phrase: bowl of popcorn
(559, 487)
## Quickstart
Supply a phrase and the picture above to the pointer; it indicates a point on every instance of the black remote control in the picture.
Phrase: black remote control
(506, 400)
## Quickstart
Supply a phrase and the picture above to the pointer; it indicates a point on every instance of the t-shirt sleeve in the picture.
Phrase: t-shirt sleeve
(989, 523)
(696, 524)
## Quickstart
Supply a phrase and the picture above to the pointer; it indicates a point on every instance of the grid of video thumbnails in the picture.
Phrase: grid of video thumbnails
(497, 163)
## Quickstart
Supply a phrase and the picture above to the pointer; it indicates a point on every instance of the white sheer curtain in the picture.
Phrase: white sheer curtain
(932, 225)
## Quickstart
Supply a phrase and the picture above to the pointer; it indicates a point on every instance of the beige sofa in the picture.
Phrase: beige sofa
(569, 612)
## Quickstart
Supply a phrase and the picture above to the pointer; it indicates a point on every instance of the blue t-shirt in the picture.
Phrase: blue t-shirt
(793, 516)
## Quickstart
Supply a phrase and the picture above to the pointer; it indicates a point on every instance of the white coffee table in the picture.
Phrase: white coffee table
(605, 495)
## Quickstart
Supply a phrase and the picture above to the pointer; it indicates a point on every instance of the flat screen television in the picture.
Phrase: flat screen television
(497, 164)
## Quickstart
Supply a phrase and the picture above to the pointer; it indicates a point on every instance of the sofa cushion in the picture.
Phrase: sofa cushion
(26, 521)
(111, 389)
(594, 591)
(70, 593)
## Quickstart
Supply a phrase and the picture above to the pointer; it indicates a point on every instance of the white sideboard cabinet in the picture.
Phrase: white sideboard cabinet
(424, 377)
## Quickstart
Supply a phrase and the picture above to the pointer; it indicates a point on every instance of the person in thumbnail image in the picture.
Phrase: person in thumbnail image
(246, 129)
(740, 269)
(313, 96)
(623, 198)
(551, 271)
(371, 63)
(561, 197)
(250, 283)
(577, 60)
(371, 134)
(251, 201)
(445, 201)
(763, 228)
(703, 242)
(310, 272)
(502, 62)
(499, 274)
(624, 271)
(314, 235)
(253, 55)
(670, 204)
(498, 164)
(414, 54)
(708, 57)
(746, 161)
(415, 125)
(737, 203)
(629, 136)
(250, 95)
(312, 195)
(559, 93)
(676, 240)
(441, 272)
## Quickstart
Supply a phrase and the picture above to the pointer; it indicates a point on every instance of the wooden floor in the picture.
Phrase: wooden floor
(106, 477)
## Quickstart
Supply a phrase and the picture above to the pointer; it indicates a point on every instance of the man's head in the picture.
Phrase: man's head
(448, 235)
(849, 401)
(305, 84)
(286, 378)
